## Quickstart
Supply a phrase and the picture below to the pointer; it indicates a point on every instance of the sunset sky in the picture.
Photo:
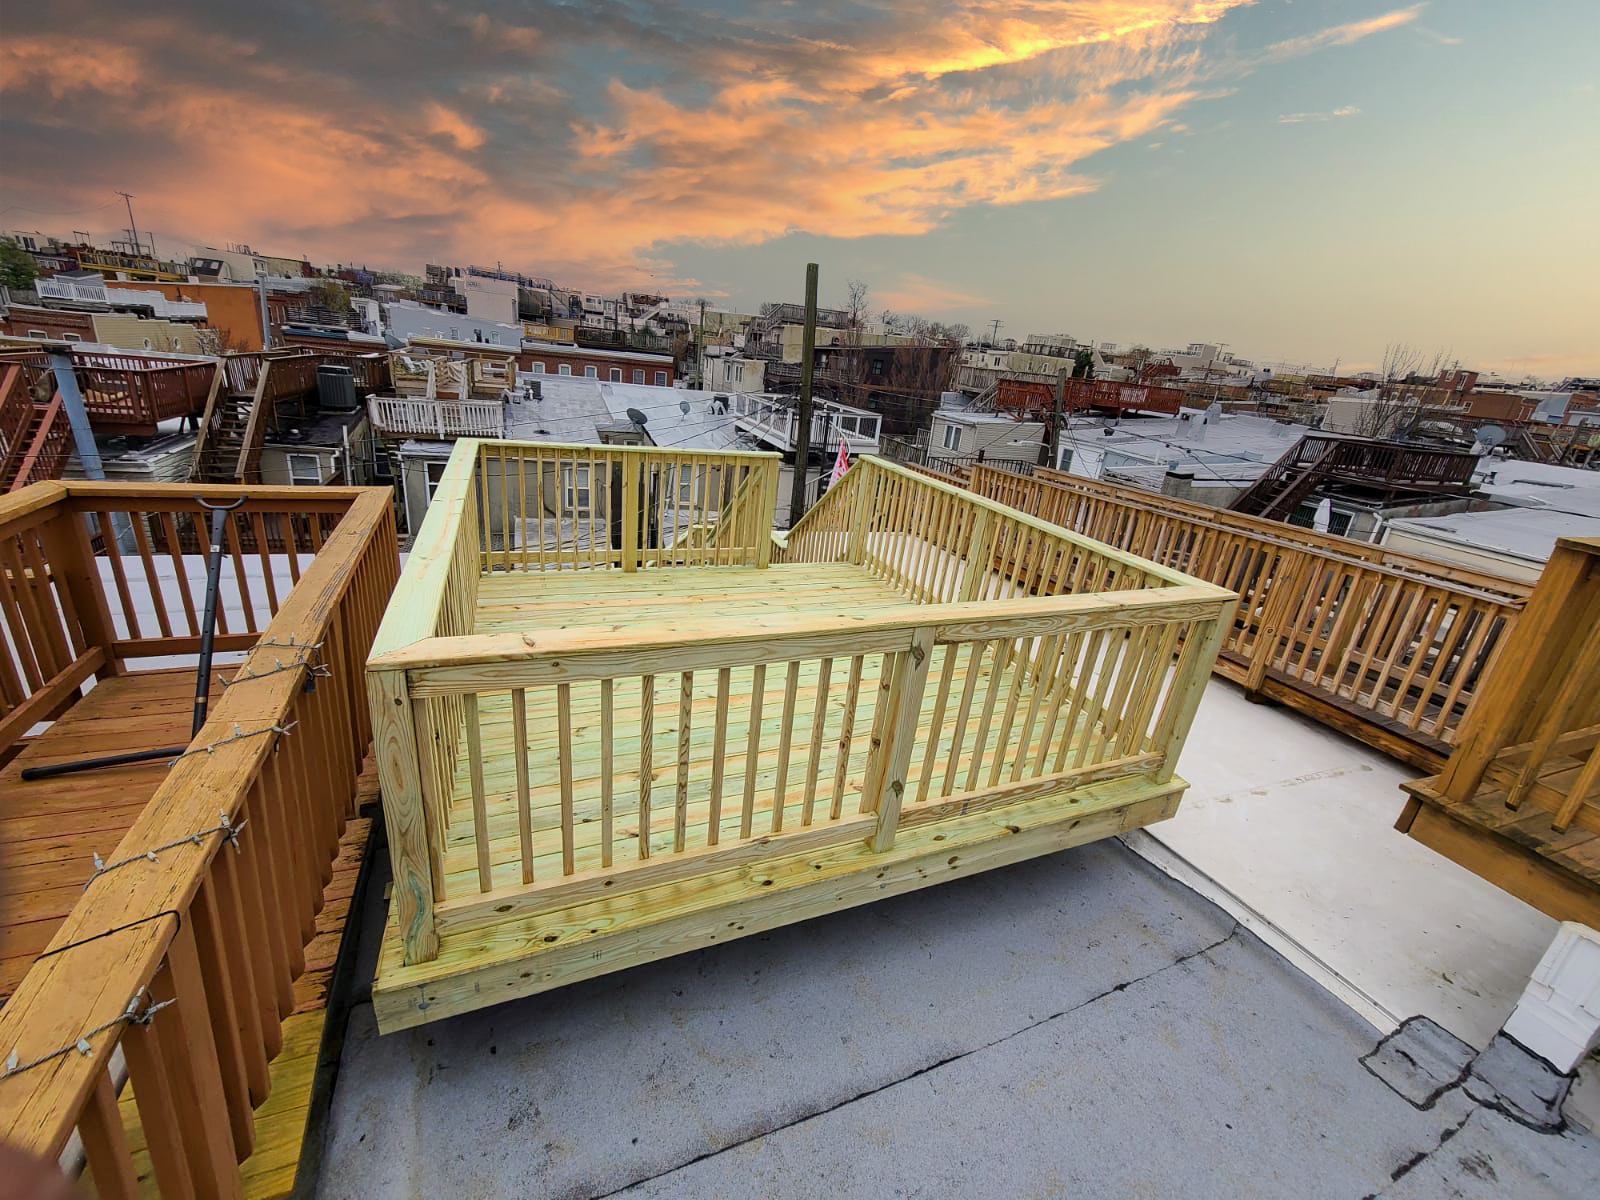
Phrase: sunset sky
(1304, 181)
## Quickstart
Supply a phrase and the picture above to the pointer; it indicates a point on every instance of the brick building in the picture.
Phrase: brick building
(615, 366)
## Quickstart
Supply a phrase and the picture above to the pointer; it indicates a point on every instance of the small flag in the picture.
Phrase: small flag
(840, 464)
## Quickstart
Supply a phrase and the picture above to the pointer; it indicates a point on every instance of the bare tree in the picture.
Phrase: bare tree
(1404, 380)
(856, 311)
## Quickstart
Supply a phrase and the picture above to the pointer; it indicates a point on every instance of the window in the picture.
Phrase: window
(661, 379)
(564, 369)
(537, 368)
(39, 333)
(432, 473)
(616, 374)
(71, 337)
(687, 478)
(638, 376)
(590, 373)
(952, 437)
(305, 470)
(575, 487)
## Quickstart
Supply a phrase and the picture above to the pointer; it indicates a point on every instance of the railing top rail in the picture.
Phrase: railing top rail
(457, 664)
(114, 938)
(1166, 574)
(427, 569)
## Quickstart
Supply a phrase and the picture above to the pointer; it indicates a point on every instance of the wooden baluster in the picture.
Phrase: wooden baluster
(105, 1143)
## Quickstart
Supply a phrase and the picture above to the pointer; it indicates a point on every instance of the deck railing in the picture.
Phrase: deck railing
(1387, 647)
(127, 394)
(1533, 735)
(445, 420)
(185, 959)
(546, 506)
(779, 736)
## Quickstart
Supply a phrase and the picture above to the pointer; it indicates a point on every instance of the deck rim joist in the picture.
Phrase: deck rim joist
(748, 899)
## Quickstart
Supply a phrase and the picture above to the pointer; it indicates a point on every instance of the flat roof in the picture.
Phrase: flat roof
(1526, 533)
(531, 345)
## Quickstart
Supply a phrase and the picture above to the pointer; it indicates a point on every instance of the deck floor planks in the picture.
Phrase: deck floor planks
(50, 829)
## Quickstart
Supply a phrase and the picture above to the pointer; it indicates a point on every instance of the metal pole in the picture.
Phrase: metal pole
(1055, 422)
(802, 440)
(77, 415)
(266, 326)
(133, 225)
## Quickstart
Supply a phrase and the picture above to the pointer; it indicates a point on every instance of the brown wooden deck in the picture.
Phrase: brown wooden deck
(50, 829)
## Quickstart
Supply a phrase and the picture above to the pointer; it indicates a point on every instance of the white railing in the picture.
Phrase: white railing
(442, 419)
(774, 420)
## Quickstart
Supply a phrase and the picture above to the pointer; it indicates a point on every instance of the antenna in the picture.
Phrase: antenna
(637, 417)
(128, 200)
(683, 407)
(1489, 436)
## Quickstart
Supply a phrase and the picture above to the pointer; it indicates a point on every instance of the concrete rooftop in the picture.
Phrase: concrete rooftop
(1087, 1024)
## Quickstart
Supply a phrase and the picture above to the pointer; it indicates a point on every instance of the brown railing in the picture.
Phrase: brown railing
(185, 960)
(127, 394)
(1388, 648)
(1525, 775)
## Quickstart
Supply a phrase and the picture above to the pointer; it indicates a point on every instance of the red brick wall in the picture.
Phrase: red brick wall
(553, 357)
(51, 324)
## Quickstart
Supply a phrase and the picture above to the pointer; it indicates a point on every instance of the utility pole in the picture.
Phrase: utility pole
(266, 325)
(134, 225)
(802, 439)
(1055, 423)
(994, 336)
(700, 351)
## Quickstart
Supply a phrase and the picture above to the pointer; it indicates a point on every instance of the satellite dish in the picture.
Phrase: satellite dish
(637, 417)
(1489, 436)
(683, 407)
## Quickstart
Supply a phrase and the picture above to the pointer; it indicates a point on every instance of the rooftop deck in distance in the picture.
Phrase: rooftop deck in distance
(661, 739)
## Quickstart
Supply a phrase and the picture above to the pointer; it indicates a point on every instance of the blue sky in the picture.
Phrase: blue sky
(1304, 181)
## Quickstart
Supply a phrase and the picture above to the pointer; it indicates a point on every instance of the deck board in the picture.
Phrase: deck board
(50, 829)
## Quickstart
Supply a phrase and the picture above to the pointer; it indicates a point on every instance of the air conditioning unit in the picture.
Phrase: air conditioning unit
(336, 388)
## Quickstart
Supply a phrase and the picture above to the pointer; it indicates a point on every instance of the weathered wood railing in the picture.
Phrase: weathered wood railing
(1388, 648)
(1526, 768)
(128, 394)
(595, 762)
(185, 959)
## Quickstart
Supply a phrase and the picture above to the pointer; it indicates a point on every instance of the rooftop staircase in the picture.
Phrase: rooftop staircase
(35, 440)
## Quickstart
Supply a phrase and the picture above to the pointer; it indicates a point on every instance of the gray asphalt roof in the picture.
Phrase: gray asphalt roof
(1079, 1025)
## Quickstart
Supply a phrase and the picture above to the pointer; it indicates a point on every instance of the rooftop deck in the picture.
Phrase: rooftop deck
(612, 729)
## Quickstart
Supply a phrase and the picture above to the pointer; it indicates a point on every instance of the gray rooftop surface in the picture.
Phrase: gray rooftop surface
(1080, 1025)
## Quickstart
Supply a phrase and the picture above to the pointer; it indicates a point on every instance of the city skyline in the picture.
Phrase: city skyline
(1305, 182)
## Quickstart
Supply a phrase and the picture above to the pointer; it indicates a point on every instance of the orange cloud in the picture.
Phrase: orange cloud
(426, 133)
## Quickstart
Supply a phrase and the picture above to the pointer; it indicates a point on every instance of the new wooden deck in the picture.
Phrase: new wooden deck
(593, 757)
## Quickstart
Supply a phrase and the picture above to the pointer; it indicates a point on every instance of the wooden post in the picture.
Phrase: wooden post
(1195, 660)
(394, 747)
(768, 509)
(891, 758)
(630, 512)
(1284, 600)
(72, 567)
(866, 473)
